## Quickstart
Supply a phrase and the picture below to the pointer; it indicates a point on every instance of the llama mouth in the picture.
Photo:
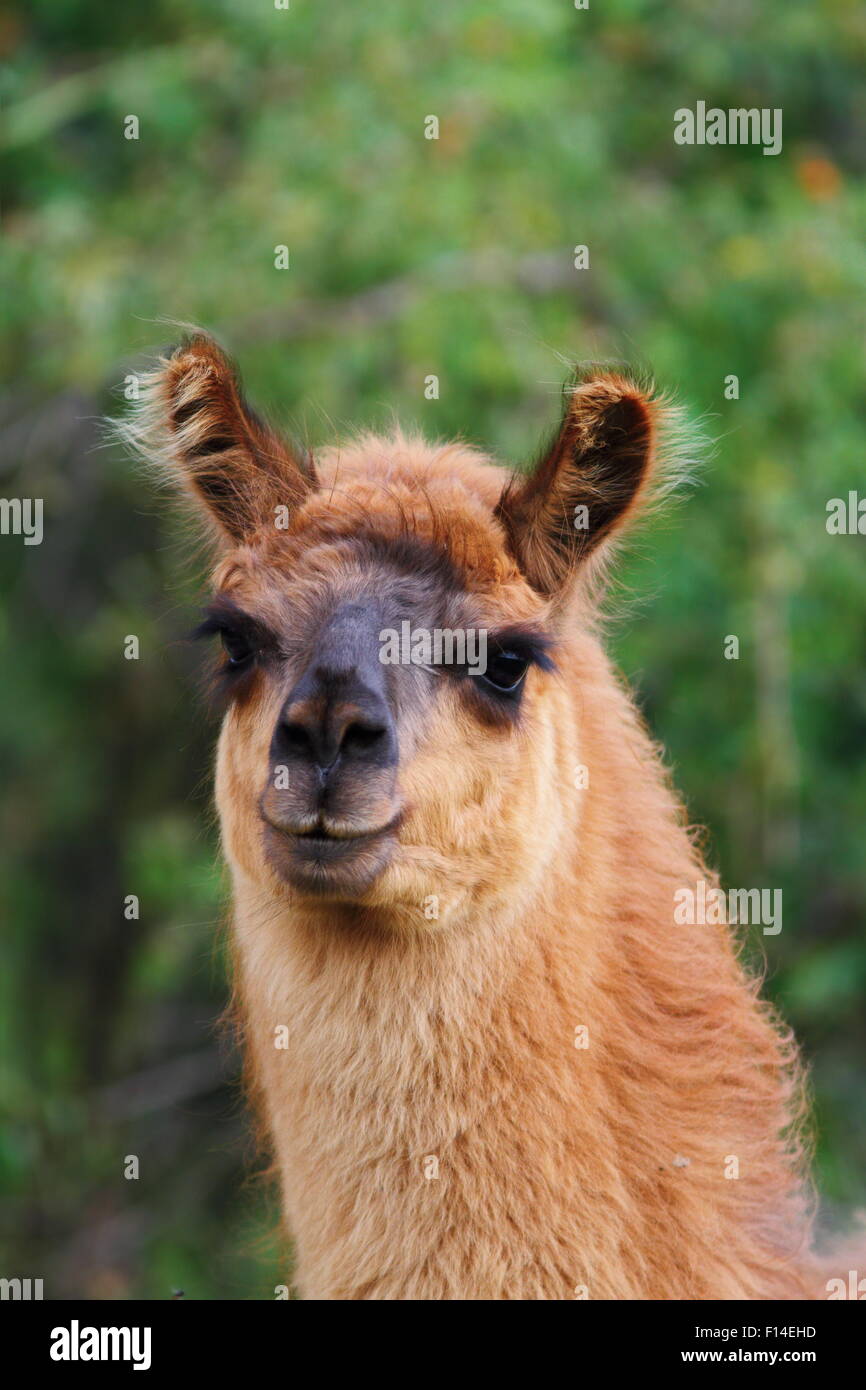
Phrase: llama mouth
(332, 861)
(328, 847)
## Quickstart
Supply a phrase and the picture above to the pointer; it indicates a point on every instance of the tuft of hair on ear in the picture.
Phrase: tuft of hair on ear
(620, 448)
(192, 424)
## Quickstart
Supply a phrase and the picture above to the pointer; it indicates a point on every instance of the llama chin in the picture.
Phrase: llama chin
(488, 1060)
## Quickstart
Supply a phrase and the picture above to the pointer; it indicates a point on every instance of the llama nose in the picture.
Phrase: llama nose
(338, 712)
(331, 725)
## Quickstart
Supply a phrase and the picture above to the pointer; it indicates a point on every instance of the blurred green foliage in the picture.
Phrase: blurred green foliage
(305, 127)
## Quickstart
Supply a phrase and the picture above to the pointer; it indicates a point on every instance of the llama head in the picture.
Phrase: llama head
(391, 617)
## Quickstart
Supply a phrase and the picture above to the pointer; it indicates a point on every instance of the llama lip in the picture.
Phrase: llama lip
(323, 833)
(334, 833)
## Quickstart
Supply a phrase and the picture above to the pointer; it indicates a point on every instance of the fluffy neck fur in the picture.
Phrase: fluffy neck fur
(449, 1049)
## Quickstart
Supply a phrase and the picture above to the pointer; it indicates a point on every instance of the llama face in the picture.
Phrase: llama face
(349, 769)
(359, 761)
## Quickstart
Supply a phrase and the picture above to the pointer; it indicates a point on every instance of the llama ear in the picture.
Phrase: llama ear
(194, 423)
(585, 485)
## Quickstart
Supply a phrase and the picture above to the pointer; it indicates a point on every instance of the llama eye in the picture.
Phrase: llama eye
(505, 671)
(237, 649)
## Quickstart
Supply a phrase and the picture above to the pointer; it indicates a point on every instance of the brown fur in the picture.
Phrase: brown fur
(562, 1171)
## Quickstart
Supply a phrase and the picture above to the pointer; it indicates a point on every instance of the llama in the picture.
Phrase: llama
(488, 1061)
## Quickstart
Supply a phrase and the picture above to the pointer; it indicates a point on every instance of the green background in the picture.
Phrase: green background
(261, 127)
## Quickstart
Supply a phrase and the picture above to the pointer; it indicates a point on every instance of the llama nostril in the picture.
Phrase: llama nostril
(358, 737)
(296, 739)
